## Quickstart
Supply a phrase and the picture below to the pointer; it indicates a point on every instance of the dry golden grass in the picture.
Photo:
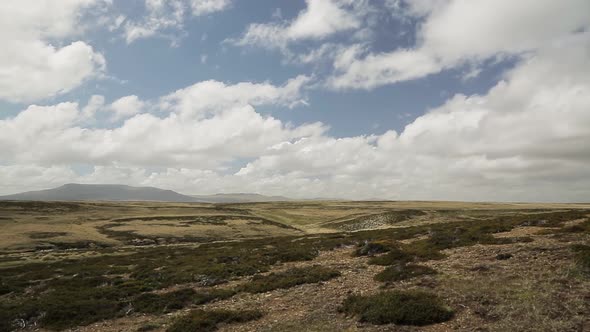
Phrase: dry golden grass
(26, 226)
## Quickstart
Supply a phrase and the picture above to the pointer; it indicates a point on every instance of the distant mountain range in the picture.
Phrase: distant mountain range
(115, 192)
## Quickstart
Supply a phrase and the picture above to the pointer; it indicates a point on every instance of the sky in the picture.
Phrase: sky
(476, 100)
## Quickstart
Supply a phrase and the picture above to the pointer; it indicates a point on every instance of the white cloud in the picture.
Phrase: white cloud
(32, 65)
(204, 7)
(456, 32)
(525, 139)
(480, 29)
(95, 103)
(166, 18)
(208, 97)
(161, 16)
(320, 19)
(16, 178)
(126, 107)
(379, 69)
(208, 124)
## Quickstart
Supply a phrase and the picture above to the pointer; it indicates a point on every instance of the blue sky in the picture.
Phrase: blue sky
(151, 67)
(397, 96)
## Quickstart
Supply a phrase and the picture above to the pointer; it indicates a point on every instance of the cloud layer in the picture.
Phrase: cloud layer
(524, 139)
(458, 32)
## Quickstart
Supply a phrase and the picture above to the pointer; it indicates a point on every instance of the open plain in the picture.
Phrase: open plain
(294, 266)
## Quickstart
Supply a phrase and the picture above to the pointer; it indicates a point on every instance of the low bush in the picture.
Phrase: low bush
(503, 256)
(209, 320)
(583, 227)
(403, 272)
(399, 307)
(370, 248)
(394, 256)
(582, 257)
(289, 278)
(148, 327)
(167, 302)
(423, 250)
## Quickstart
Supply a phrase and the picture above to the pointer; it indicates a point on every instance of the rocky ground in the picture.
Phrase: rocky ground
(532, 286)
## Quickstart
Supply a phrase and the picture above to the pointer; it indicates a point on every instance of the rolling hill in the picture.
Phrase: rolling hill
(116, 192)
(101, 192)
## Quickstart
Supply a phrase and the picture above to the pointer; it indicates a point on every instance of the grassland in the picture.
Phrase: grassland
(294, 266)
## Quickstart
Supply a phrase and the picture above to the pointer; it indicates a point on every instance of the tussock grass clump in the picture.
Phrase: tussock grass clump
(394, 256)
(582, 257)
(289, 278)
(5, 320)
(503, 256)
(209, 320)
(45, 235)
(419, 251)
(583, 227)
(399, 307)
(423, 250)
(548, 219)
(371, 248)
(148, 327)
(403, 272)
(58, 311)
(167, 302)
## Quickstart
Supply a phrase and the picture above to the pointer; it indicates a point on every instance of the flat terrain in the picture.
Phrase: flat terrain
(294, 266)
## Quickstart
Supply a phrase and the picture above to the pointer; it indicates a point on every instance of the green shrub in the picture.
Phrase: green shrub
(208, 320)
(582, 257)
(148, 327)
(503, 256)
(583, 227)
(399, 307)
(289, 278)
(5, 318)
(167, 302)
(548, 219)
(403, 272)
(394, 256)
(62, 313)
(423, 250)
(371, 248)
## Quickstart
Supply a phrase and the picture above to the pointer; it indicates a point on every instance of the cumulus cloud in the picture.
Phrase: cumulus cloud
(320, 19)
(525, 139)
(204, 7)
(32, 65)
(126, 107)
(206, 124)
(15, 178)
(455, 32)
(207, 97)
